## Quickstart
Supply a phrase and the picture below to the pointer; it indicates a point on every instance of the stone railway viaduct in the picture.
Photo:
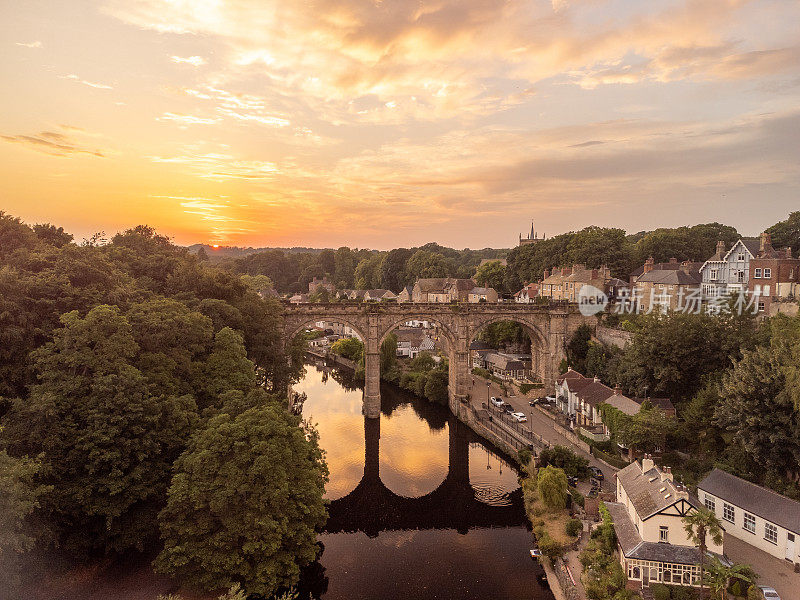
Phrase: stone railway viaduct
(549, 327)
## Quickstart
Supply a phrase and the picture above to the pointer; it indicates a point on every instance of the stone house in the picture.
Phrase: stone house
(566, 283)
(379, 295)
(482, 294)
(774, 275)
(316, 285)
(648, 520)
(662, 290)
(507, 366)
(406, 294)
(757, 516)
(442, 290)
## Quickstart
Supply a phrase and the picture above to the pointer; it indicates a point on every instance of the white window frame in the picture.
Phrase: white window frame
(757, 273)
(728, 508)
(748, 518)
(741, 256)
(713, 275)
(663, 534)
(767, 273)
(710, 503)
(771, 533)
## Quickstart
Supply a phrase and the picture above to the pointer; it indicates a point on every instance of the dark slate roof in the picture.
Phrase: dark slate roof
(753, 498)
(633, 547)
(672, 277)
(664, 404)
(646, 495)
(479, 345)
(435, 285)
(594, 393)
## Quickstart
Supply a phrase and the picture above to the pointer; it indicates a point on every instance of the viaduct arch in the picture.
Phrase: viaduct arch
(549, 327)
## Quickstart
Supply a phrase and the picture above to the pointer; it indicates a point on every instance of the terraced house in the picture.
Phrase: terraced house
(648, 519)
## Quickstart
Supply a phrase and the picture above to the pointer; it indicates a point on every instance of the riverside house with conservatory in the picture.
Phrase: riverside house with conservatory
(757, 516)
(648, 520)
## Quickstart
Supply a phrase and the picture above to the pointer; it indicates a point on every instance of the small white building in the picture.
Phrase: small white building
(728, 272)
(753, 514)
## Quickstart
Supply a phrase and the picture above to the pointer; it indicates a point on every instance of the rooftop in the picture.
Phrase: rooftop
(765, 503)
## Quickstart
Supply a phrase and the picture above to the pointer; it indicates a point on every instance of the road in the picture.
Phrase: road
(539, 423)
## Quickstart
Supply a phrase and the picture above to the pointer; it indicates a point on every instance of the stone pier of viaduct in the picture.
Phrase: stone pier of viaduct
(549, 327)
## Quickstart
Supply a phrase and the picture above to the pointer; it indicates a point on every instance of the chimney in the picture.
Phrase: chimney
(666, 473)
(546, 273)
(578, 267)
(648, 264)
(566, 271)
(788, 251)
(647, 463)
(617, 390)
(766, 242)
(595, 274)
(673, 261)
(686, 266)
(682, 491)
(596, 379)
(720, 248)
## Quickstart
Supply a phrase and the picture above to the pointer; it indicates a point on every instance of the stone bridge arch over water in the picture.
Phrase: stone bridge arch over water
(549, 327)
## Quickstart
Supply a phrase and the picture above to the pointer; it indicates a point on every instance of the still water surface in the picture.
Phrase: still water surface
(420, 506)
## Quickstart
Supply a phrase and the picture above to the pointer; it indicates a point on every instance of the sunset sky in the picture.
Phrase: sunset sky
(393, 123)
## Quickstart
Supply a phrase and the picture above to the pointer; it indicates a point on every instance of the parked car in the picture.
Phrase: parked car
(508, 409)
(534, 402)
(572, 481)
(550, 399)
(498, 402)
(595, 483)
(597, 473)
(519, 417)
(769, 592)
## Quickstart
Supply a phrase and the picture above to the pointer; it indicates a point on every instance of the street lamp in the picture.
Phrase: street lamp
(487, 394)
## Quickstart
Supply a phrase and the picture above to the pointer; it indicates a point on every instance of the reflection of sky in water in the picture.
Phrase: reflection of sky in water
(413, 457)
(337, 414)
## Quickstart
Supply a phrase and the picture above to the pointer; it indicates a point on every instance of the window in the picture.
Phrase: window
(663, 534)
(757, 273)
(761, 306)
(741, 256)
(770, 533)
(713, 275)
(728, 512)
(749, 523)
(741, 276)
(767, 273)
(710, 504)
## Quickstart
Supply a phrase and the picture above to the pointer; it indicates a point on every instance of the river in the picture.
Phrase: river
(421, 507)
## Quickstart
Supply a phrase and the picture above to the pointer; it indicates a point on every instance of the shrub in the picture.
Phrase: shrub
(736, 588)
(680, 592)
(753, 593)
(524, 455)
(574, 527)
(524, 388)
(549, 547)
(660, 591)
(577, 498)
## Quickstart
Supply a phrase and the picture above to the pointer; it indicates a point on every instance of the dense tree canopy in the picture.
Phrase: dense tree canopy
(245, 503)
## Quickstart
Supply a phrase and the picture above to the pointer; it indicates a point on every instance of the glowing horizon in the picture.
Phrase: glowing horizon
(395, 123)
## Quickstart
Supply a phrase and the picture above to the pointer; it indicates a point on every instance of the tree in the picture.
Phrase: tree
(719, 576)
(245, 503)
(787, 233)
(260, 284)
(564, 458)
(227, 368)
(368, 272)
(388, 353)
(20, 495)
(424, 264)
(423, 362)
(578, 348)
(552, 487)
(108, 441)
(647, 430)
(491, 274)
(349, 348)
(758, 411)
(393, 269)
(436, 387)
(700, 525)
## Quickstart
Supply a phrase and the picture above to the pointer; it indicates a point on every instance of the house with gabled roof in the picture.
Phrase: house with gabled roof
(648, 520)
(756, 515)
(728, 271)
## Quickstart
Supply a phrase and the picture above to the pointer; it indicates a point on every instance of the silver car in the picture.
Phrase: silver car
(769, 593)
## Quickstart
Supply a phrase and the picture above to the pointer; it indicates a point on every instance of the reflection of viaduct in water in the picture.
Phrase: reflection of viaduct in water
(372, 507)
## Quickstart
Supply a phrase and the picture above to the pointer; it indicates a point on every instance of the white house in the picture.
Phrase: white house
(753, 514)
(728, 272)
(648, 519)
